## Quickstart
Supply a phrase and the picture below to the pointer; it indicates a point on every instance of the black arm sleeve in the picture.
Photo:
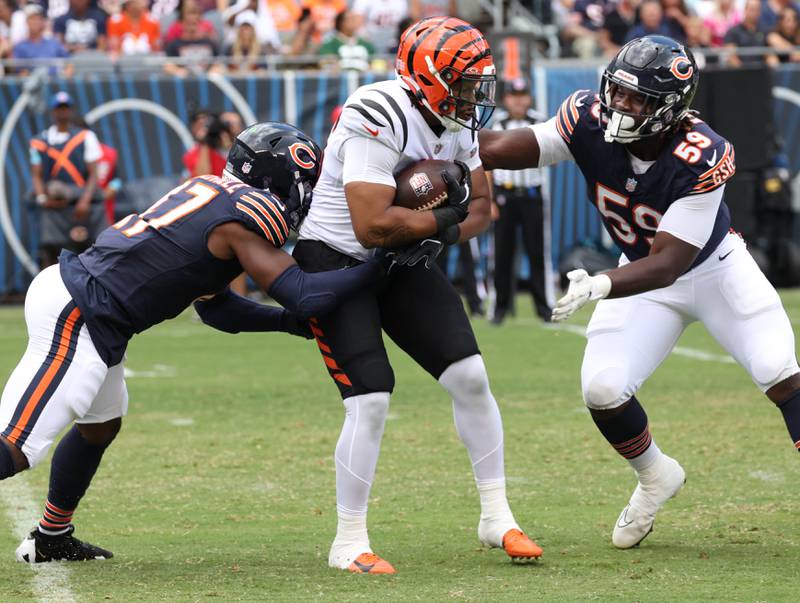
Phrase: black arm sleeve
(233, 313)
(316, 294)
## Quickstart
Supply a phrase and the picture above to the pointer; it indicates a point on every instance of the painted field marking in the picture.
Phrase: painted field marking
(50, 581)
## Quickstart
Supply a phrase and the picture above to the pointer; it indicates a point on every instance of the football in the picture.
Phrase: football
(420, 185)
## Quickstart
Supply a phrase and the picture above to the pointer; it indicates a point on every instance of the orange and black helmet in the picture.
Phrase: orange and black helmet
(447, 65)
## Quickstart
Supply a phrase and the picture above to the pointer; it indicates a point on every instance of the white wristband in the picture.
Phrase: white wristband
(601, 286)
(41, 199)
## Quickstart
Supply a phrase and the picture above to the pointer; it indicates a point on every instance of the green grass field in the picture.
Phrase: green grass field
(221, 484)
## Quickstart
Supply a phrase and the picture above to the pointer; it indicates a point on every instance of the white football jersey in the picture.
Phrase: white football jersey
(381, 111)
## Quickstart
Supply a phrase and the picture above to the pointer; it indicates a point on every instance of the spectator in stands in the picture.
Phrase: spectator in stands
(786, 35)
(748, 34)
(192, 8)
(380, 19)
(419, 9)
(266, 32)
(64, 173)
(584, 22)
(616, 25)
(723, 17)
(37, 45)
(194, 45)
(13, 26)
(652, 22)
(208, 155)
(347, 49)
(133, 31)
(108, 184)
(698, 38)
(245, 51)
(323, 15)
(676, 17)
(305, 34)
(82, 27)
(771, 10)
(284, 14)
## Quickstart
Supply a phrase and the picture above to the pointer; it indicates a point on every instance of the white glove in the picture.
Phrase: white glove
(582, 288)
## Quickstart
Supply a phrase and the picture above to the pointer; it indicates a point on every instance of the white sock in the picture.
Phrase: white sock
(476, 416)
(352, 529)
(357, 450)
(645, 460)
(494, 503)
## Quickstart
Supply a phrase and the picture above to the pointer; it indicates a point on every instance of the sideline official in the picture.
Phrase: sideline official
(519, 199)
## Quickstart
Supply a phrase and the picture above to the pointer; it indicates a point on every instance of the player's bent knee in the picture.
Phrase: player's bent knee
(466, 378)
(12, 460)
(769, 367)
(100, 434)
(373, 410)
(606, 389)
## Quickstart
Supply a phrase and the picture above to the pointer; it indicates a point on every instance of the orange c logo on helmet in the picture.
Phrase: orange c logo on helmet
(681, 68)
(293, 151)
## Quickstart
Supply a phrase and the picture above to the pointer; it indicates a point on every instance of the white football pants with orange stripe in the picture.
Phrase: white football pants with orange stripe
(629, 337)
(61, 377)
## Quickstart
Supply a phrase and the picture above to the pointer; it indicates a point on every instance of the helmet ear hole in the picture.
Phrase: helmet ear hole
(444, 107)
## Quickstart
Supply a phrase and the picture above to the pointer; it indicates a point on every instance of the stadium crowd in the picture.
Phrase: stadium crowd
(362, 34)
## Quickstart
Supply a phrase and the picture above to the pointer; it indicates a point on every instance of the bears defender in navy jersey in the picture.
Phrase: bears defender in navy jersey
(693, 160)
(657, 175)
(145, 269)
(150, 267)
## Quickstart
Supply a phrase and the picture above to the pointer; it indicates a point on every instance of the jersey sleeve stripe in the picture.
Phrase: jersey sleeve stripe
(276, 213)
(396, 108)
(563, 115)
(373, 105)
(561, 130)
(723, 170)
(716, 165)
(366, 115)
(243, 208)
(267, 214)
(574, 108)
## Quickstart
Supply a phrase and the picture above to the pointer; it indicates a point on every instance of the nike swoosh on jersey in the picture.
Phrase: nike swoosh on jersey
(713, 159)
(374, 132)
(722, 257)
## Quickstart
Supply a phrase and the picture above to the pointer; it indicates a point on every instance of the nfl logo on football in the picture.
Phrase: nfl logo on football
(420, 184)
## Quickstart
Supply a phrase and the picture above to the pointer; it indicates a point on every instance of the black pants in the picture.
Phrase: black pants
(418, 308)
(520, 207)
(466, 264)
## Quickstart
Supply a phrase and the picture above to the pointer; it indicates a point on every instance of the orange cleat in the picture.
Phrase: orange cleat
(370, 563)
(519, 547)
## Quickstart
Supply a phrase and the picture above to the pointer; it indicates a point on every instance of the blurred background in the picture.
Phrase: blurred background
(164, 86)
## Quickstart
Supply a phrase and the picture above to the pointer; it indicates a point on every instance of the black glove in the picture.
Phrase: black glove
(459, 194)
(427, 249)
(294, 326)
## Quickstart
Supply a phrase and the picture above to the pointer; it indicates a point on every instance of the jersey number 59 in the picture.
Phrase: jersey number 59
(644, 216)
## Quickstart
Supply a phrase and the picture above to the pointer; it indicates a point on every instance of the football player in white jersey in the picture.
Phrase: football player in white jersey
(443, 95)
(657, 175)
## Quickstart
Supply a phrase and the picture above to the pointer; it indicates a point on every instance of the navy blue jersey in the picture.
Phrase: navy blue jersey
(147, 268)
(692, 161)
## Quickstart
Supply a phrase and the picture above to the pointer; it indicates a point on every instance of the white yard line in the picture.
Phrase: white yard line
(50, 581)
(679, 350)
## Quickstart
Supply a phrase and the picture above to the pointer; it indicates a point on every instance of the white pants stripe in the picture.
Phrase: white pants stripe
(60, 378)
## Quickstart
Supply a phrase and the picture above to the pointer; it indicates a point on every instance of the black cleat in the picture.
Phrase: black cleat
(41, 548)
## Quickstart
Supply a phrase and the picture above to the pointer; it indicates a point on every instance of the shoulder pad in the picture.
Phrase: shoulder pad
(708, 159)
(263, 213)
(577, 106)
(375, 114)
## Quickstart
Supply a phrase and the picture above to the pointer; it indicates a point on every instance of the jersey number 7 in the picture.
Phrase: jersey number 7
(168, 208)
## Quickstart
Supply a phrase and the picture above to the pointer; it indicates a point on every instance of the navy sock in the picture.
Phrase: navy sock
(627, 431)
(791, 415)
(6, 461)
(75, 462)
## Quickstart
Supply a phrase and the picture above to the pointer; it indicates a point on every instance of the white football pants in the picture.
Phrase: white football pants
(629, 337)
(61, 377)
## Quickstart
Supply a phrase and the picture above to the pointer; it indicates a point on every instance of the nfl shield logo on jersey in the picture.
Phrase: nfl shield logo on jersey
(420, 184)
(630, 185)
(246, 167)
(438, 148)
